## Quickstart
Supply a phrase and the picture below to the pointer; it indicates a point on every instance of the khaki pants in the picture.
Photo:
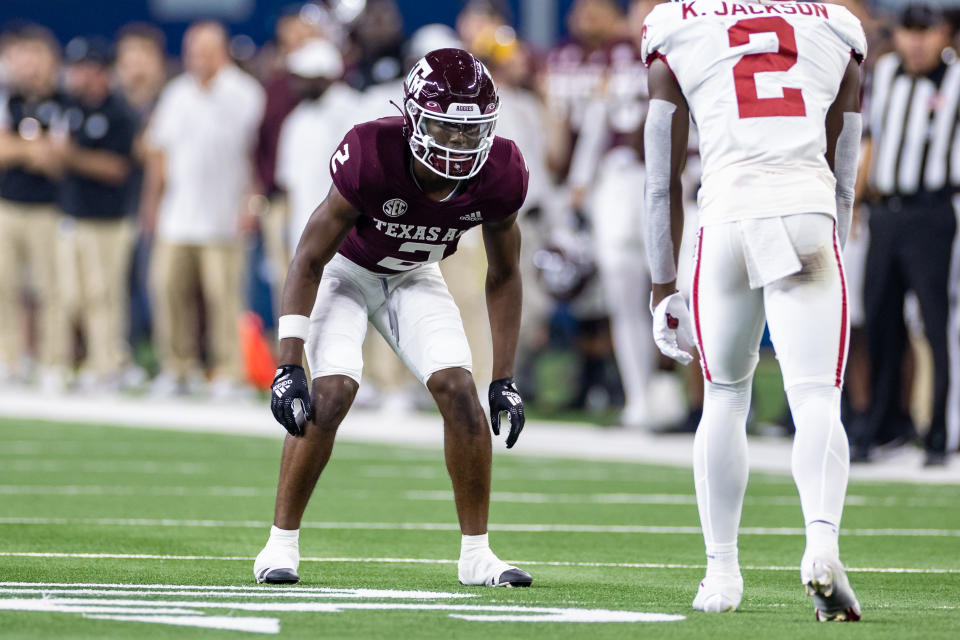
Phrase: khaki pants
(176, 272)
(28, 237)
(94, 270)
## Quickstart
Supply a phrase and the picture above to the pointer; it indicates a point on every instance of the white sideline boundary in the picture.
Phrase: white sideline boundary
(332, 560)
(540, 438)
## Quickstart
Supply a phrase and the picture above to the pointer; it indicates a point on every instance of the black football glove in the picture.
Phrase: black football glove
(290, 398)
(504, 398)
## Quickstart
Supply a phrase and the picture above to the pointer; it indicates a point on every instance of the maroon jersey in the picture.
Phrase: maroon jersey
(400, 228)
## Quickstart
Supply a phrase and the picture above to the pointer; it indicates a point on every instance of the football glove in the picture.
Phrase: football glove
(673, 328)
(290, 398)
(504, 398)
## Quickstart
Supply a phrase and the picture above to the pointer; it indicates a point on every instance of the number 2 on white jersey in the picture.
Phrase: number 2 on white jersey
(748, 102)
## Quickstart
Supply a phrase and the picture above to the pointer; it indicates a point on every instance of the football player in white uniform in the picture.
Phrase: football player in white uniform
(774, 90)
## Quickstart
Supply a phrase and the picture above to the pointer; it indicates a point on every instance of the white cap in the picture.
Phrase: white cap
(316, 59)
(431, 37)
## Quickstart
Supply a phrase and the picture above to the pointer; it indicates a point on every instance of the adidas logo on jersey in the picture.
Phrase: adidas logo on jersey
(472, 217)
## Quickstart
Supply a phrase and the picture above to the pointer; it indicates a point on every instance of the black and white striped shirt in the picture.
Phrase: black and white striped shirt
(913, 121)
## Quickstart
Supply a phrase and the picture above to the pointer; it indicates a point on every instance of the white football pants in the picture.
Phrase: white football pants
(807, 316)
(616, 217)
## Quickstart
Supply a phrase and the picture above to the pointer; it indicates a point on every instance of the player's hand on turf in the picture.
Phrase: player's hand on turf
(504, 398)
(290, 398)
(673, 328)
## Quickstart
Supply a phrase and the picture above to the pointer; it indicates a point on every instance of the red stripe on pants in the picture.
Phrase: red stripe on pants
(843, 317)
(696, 306)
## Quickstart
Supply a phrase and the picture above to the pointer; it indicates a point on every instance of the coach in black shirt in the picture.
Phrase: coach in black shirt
(29, 217)
(914, 176)
(96, 156)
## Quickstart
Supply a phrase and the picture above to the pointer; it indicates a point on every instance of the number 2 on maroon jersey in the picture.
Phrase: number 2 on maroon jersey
(749, 103)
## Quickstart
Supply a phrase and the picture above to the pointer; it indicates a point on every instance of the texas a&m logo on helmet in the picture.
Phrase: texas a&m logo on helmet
(451, 106)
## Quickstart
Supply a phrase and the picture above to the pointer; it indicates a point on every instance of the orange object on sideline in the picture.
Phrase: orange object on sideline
(257, 357)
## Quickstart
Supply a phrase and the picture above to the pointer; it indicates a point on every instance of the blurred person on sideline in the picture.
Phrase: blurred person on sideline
(375, 54)
(522, 114)
(574, 74)
(479, 20)
(140, 70)
(292, 31)
(913, 180)
(29, 215)
(196, 201)
(605, 166)
(575, 69)
(96, 154)
(310, 134)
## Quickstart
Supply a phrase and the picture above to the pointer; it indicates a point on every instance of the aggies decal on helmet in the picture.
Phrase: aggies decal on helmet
(450, 105)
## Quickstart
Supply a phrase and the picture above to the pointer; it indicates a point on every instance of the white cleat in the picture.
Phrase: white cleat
(719, 594)
(277, 564)
(827, 585)
(490, 571)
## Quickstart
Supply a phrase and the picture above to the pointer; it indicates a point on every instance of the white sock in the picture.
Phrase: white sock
(822, 538)
(478, 565)
(725, 563)
(720, 470)
(287, 537)
(472, 545)
(820, 458)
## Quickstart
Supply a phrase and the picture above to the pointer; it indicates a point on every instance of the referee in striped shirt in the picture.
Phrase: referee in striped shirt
(914, 173)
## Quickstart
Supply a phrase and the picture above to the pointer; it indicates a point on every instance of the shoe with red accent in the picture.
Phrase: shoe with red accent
(827, 585)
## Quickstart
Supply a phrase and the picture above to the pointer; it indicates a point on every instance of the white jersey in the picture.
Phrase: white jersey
(759, 79)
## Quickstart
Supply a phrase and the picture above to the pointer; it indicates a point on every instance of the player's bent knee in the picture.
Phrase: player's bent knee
(451, 383)
(456, 394)
(332, 397)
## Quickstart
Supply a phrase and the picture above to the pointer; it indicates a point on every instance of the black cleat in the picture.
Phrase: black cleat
(514, 578)
(279, 576)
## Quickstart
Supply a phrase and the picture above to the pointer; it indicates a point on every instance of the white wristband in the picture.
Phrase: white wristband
(293, 326)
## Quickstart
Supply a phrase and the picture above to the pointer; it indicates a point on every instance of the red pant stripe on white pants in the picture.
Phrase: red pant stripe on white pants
(843, 317)
(696, 306)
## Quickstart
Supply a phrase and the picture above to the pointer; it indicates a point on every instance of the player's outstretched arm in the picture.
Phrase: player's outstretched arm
(844, 127)
(328, 226)
(665, 148)
(501, 240)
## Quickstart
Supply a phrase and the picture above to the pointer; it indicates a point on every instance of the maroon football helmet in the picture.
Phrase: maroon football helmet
(451, 106)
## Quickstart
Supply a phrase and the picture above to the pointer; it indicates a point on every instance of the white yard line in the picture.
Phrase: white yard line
(107, 466)
(670, 498)
(325, 590)
(449, 526)
(116, 490)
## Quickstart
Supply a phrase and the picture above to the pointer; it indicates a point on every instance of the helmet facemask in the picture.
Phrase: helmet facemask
(452, 146)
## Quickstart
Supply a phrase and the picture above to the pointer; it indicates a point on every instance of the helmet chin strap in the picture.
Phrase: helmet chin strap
(404, 131)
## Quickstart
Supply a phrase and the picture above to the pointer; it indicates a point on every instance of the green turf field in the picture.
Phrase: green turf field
(125, 533)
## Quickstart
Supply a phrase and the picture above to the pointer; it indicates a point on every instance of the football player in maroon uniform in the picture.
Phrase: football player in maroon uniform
(405, 190)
